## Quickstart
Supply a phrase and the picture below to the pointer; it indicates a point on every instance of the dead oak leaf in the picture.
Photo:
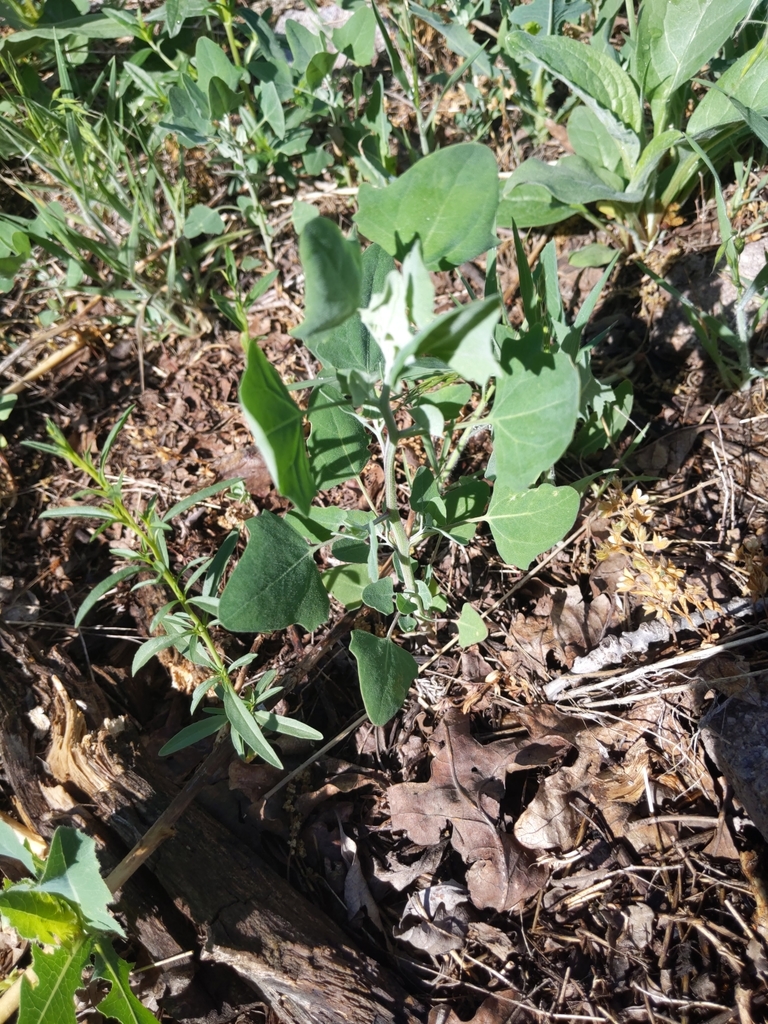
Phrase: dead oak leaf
(465, 791)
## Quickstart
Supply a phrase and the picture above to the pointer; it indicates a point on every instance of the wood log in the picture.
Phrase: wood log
(301, 963)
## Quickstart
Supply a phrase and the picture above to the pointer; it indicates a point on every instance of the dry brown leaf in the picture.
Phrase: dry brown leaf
(465, 790)
(435, 920)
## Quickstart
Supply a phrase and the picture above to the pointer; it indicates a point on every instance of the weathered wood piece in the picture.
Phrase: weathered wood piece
(303, 964)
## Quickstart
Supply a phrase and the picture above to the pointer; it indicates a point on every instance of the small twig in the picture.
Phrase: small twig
(163, 827)
(47, 335)
(50, 363)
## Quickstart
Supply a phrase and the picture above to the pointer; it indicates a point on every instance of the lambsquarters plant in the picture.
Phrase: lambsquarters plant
(395, 373)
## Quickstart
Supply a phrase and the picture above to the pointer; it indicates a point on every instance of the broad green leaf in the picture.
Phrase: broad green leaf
(39, 916)
(202, 220)
(351, 549)
(594, 255)
(571, 180)
(72, 870)
(272, 108)
(746, 80)
(103, 588)
(530, 206)
(212, 62)
(12, 845)
(676, 38)
(599, 82)
(346, 583)
(386, 672)
(447, 199)
(450, 400)
(304, 44)
(276, 582)
(319, 68)
(533, 417)
(191, 734)
(592, 141)
(276, 423)
(59, 975)
(380, 595)
(243, 723)
(471, 625)
(463, 339)
(464, 501)
(338, 443)
(650, 159)
(526, 524)
(119, 1002)
(333, 277)
(355, 39)
(350, 346)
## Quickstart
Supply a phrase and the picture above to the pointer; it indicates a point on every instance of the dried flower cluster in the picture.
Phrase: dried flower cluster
(661, 586)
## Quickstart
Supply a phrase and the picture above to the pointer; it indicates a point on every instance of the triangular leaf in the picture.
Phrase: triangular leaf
(386, 672)
(447, 199)
(526, 524)
(472, 628)
(276, 582)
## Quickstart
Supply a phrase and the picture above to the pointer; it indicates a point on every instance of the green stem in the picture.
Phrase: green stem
(472, 421)
(631, 18)
(397, 536)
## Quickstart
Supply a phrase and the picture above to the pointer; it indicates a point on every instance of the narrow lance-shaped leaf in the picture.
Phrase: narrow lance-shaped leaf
(103, 588)
(276, 424)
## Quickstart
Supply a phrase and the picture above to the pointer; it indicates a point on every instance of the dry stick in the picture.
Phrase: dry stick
(50, 363)
(47, 335)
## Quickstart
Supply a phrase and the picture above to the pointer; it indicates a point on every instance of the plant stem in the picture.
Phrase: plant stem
(397, 536)
(472, 421)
